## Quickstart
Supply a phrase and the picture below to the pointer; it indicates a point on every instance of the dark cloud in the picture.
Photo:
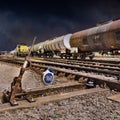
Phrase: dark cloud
(21, 20)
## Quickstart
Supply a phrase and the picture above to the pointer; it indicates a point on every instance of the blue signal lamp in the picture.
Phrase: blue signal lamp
(48, 76)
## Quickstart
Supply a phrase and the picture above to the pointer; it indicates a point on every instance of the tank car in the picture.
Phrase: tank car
(37, 49)
(59, 46)
(105, 37)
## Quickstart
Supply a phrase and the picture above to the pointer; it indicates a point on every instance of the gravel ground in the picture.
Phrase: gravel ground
(87, 107)
(8, 72)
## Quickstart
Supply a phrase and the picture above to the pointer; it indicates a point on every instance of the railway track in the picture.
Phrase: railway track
(99, 66)
(102, 62)
(77, 72)
(90, 70)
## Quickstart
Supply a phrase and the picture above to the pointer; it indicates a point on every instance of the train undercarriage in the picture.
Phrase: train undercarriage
(64, 55)
(67, 54)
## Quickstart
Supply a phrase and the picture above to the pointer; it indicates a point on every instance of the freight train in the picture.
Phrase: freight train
(102, 38)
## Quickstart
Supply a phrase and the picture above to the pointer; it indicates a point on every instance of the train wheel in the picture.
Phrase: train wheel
(61, 56)
(91, 57)
(75, 57)
(82, 57)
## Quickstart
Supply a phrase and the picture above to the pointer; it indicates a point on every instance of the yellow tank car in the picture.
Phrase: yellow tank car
(22, 50)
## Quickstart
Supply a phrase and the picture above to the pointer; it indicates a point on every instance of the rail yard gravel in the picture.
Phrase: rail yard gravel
(94, 106)
(8, 72)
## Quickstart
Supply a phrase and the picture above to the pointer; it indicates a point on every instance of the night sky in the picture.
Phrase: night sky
(21, 20)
